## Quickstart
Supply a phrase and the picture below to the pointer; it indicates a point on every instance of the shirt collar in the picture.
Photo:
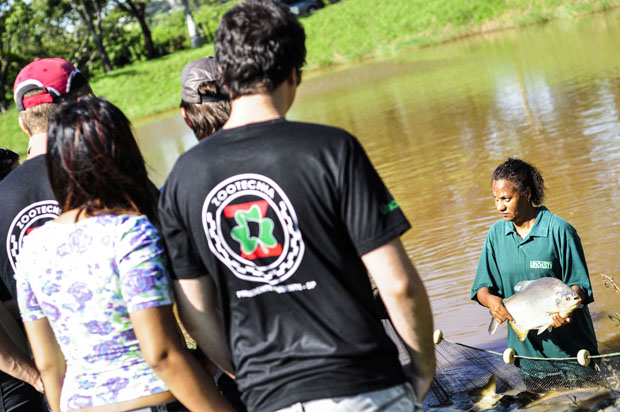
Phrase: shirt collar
(541, 225)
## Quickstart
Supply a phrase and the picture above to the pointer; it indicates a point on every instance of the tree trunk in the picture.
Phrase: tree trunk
(5, 60)
(138, 11)
(4, 65)
(88, 21)
(194, 38)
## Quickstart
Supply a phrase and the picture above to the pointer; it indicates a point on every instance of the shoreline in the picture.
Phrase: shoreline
(149, 90)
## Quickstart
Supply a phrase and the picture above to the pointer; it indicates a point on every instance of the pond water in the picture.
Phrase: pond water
(437, 121)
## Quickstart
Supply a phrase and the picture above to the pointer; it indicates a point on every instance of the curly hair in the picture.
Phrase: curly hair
(524, 176)
(258, 44)
(94, 162)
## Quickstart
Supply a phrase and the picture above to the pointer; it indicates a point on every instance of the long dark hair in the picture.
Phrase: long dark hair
(94, 163)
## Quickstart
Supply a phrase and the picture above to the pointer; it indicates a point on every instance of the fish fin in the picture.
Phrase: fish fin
(522, 285)
(544, 328)
(522, 334)
(493, 326)
(489, 388)
(487, 396)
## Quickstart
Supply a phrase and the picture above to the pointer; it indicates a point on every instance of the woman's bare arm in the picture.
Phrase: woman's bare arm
(165, 352)
(49, 359)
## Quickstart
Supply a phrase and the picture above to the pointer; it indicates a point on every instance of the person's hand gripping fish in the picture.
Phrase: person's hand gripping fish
(540, 304)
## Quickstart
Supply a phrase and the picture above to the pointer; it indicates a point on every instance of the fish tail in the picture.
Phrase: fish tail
(493, 326)
(522, 334)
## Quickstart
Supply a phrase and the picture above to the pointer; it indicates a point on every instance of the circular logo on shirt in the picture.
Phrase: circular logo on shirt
(28, 219)
(252, 228)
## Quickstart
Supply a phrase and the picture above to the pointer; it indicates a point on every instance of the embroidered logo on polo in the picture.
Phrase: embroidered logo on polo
(252, 228)
(26, 220)
(540, 264)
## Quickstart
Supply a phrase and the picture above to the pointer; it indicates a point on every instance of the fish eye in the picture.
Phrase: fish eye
(567, 297)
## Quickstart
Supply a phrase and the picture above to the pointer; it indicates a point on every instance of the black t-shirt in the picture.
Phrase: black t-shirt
(26, 203)
(278, 214)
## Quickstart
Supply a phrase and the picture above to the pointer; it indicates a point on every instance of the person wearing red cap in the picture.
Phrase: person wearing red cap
(27, 203)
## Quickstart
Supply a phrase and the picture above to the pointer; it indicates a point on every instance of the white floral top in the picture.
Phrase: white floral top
(86, 278)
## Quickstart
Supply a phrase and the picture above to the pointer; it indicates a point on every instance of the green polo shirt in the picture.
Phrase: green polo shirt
(551, 249)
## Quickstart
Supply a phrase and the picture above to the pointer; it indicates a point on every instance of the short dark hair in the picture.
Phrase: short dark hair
(94, 162)
(258, 44)
(524, 176)
(207, 117)
(8, 160)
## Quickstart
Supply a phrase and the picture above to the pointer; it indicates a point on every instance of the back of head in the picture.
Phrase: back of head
(206, 106)
(8, 161)
(258, 44)
(41, 85)
(524, 176)
(94, 162)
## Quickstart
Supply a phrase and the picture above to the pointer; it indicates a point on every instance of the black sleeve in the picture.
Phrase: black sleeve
(184, 262)
(369, 211)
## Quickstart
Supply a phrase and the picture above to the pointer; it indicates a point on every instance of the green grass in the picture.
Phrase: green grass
(347, 31)
(356, 29)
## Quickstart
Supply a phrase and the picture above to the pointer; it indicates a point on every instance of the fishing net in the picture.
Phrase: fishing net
(463, 369)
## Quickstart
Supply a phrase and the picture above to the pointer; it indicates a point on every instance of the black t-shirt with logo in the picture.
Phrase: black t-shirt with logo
(278, 214)
(26, 203)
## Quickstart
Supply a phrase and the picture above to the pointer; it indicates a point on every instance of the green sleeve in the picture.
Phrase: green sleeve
(487, 274)
(573, 261)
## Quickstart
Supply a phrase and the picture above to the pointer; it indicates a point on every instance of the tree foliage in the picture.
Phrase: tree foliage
(97, 35)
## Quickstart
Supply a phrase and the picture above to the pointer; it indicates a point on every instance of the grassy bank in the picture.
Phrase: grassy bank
(346, 31)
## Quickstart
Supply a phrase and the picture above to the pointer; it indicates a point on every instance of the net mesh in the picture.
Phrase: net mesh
(462, 369)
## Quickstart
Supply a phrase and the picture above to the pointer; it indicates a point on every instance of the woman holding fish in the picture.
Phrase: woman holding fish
(531, 243)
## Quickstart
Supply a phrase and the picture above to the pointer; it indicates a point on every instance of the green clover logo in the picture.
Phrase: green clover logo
(241, 233)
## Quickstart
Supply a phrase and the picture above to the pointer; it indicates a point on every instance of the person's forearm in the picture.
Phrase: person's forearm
(412, 319)
(211, 343)
(48, 358)
(190, 383)
(407, 303)
(495, 305)
(196, 305)
(52, 383)
(14, 359)
(164, 350)
(14, 362)
(485, 297)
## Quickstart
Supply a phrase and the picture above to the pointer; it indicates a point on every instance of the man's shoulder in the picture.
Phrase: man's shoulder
(278, 133)
(30, 178)
(319, 130)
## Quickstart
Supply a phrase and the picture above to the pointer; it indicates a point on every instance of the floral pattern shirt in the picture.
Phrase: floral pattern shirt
(86, 278)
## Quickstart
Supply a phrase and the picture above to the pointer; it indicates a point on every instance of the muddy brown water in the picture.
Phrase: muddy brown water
(437, 121)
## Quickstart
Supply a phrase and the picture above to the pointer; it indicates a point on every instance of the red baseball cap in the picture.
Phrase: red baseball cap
(53, 75)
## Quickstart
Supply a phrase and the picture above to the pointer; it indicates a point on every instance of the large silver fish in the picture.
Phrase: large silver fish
(534, 304)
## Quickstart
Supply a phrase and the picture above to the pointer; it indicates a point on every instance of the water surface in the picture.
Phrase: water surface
(437, 121)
